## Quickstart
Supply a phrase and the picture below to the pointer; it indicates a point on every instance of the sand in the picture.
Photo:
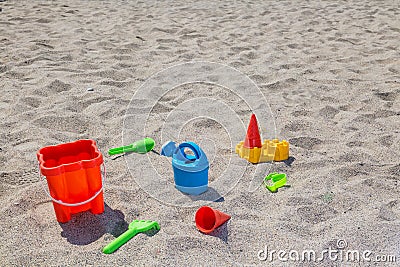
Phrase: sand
(330, 72)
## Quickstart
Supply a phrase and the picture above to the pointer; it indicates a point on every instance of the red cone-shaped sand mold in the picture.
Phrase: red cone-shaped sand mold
(207, 219)
(253, 138)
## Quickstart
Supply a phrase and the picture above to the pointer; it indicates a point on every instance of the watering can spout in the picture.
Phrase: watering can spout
(168, 149)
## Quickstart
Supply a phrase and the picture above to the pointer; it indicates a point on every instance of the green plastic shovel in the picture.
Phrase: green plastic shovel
(134, 228)
(142, 146)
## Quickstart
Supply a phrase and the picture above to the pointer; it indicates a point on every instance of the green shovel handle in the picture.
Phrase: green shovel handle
(119, 150)
(119, 241)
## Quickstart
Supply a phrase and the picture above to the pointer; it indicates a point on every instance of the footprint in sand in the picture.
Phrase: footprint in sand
(349, 171)
(31, 101)
(386, 141)
(390, 211)
(355, 144)
(58, 86)
(296, 126)
(316, 214)
(299, 201)
(387, 96)
(328, 112)
(20, 177)
(305, 142)
(65, 124)
(301, 113)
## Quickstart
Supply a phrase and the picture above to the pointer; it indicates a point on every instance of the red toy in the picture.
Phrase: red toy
(73, 176)
(207, 219)
(253, 138)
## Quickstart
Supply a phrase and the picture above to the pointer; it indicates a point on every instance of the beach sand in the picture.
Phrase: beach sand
(330, 72)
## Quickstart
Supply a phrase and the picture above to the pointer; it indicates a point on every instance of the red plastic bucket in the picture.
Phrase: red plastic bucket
(73, 174)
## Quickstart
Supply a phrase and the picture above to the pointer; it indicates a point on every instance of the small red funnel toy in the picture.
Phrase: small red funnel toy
(255, 151)
(208, 219)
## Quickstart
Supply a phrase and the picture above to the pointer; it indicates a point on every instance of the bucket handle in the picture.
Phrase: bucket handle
(191, 147)
(74, 204)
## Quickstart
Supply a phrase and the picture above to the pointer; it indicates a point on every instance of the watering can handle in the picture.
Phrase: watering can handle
(192, 147)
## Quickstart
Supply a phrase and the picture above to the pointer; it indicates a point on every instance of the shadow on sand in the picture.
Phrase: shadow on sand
(85, 227)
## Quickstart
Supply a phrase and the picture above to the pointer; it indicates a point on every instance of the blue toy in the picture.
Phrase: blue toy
(190, 171)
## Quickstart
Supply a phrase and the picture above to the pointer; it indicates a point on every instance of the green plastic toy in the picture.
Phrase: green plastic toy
(278, 180)
(142, 146)
(134, 228)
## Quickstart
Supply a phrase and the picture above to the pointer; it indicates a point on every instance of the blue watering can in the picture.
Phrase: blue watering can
(190, 171)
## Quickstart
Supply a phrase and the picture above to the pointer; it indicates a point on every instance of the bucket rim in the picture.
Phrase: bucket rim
(70, 166)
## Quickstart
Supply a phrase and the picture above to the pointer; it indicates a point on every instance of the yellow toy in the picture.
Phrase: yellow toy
(252, 150)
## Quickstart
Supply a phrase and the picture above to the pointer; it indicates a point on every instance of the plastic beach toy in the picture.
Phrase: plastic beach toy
(134, 228)
(142, 146)
(190, 171)
(208, 219)
(254, 151)
(278, 180)
(73, 177)
(253, 138)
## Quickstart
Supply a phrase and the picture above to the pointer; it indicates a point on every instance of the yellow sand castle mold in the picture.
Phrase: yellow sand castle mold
(271, 150)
